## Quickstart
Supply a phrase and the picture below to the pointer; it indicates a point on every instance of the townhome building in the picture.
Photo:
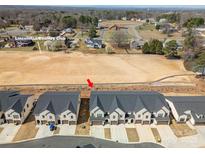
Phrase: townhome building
(120, 107)
(188, 108)
(57, 108)
(15, 107)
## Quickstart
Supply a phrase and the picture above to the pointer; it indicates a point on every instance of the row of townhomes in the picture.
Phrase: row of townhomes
(128, 107)
(105, 107)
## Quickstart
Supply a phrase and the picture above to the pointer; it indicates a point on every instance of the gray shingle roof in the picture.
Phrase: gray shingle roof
(195, 104)
(128, 101)
(57, 102)
(12, 100)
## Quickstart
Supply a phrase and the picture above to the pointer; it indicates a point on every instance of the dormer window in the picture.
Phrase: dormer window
(64, 116)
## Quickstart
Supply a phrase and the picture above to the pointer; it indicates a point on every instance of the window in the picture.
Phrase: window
(50, 117)
(27, 105)
(24, 110)
(113, 117)
(8, 115)
(43, 116)
(15, 116)
(139, 116)
(64, 116)
(182, 119)
(71, 117)
(121, 116)
(99, 115)
(160, 115)
(147, 117)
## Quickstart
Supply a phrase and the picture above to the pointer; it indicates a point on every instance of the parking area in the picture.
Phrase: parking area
(97, 131)
(145, 133)
(118, 133)
(43, 131)
(67, 129)
(8, 133)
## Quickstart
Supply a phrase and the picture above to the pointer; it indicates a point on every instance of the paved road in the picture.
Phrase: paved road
(73, 142)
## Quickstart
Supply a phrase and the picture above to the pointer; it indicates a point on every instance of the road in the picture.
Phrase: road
(74, 142)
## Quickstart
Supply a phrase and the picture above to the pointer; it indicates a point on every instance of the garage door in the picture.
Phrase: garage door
(114, 122)
(162, 123)
(145, 122)
(17, 122)
(43, 122)
(9, 121)
(199, 123)
(121, 121)
(97, 122)
(138, 121)
(72, 122)
(64, 121)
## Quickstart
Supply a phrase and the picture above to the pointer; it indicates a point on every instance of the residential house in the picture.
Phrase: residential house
(23, 42)
(119, 107)
(15, 107)
(188, 108)
(67, 31)
(136, 44)
(57, 108)
(94, 43)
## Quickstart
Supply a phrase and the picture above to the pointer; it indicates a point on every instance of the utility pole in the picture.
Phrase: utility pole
(39, 47)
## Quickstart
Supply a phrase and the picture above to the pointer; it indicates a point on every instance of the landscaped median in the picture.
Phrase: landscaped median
(132, 135)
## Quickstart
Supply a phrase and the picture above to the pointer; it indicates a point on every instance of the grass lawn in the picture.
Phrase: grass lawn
(156, 134)
(57, 130)
(132, 135)
(1, 129)
(28, 130)
(181, 129)
(107, 133)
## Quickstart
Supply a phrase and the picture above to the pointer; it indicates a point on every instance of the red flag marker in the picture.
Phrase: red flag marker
(90, 84)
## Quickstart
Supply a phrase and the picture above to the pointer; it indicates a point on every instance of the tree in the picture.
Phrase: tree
(120, 38)
(145, 48)
(37, 26)
(92, 32)
(69, 21)
(95, 21)
(193, 22)
(171, 48)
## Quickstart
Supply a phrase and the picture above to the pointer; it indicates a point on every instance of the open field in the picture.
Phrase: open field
(181, 129)
(74, 68)
(132, 135)
(28, 130)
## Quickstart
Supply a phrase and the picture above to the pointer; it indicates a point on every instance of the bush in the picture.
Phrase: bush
(35, 48)
(153, 47)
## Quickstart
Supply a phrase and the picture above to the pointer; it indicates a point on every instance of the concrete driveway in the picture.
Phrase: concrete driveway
(118, 133)
(43, 131)
(67, 129)
(166, 134)
(145, 133)
(97, 131)
(8, 133)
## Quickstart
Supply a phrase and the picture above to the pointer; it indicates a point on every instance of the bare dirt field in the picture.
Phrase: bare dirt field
(75, 68)
(181, 129)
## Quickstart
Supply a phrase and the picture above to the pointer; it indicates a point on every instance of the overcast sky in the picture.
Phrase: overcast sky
(102, 2)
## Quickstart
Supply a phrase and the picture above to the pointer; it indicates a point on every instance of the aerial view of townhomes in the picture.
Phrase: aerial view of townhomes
(101, 76)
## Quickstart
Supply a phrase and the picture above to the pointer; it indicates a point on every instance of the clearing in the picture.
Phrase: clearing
(181, 129)
(132, 135)
(75, 68)
(27, 130)
(107, 133)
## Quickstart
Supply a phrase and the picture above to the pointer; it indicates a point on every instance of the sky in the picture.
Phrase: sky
(102, 2)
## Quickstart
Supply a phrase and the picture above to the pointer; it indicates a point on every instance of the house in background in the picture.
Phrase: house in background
(57, 108)
(15, 107)
(188, 108)
(119, 107)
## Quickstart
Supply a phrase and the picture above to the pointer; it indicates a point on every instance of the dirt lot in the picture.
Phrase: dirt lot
(27, 131)
(132, 135)
(50, 68)
(107, 133)
(156, 134)
(1, 129)
(182, 130)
